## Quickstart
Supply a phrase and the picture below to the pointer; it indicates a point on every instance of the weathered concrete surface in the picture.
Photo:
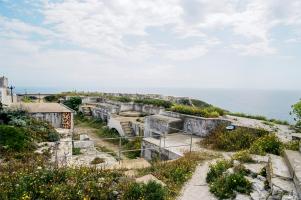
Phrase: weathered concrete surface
(83, 144)
(279, 167)
(173, 146)
(254, 168)
(197, 188)
(147, 178)
(159, 124)
(293, 160)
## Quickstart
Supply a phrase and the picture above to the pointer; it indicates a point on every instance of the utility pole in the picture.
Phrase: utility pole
(11, 93)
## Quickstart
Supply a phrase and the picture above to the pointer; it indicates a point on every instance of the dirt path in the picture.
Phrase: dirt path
(98, 141)
(197, 188)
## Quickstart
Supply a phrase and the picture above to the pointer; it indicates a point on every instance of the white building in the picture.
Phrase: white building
(5, 95)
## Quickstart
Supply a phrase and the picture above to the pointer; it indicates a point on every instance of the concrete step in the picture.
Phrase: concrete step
(293, 160)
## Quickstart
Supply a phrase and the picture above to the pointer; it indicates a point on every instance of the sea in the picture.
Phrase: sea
(270, 103)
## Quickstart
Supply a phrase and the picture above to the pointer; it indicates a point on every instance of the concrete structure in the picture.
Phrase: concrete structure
(6, 97)
(58, 115)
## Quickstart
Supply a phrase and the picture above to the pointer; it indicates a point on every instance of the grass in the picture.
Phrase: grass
(76, 151)
(155, 102)
(108, 151)
(175, 173)
(238, 139)
(260, 117)
(208, 112)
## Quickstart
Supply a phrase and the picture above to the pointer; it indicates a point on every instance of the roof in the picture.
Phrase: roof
(43, 107)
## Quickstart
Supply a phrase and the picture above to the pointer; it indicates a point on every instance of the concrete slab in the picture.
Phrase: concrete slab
(279, 168)
(293, 159)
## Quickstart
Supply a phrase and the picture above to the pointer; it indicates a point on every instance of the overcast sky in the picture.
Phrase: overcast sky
(151, 43)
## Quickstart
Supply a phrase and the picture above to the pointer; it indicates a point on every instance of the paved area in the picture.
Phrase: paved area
(178, 143)
(196, 188)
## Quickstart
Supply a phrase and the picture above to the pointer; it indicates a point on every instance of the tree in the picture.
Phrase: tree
(73, 103)
(297, 112)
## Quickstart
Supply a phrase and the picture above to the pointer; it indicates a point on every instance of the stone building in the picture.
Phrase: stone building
(58, 115)
(5, 95)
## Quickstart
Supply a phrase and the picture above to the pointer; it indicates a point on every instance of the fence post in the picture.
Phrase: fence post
(119, 153)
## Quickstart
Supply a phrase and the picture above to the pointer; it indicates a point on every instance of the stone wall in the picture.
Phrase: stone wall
(197, 125)
(151, 152)
(161, 125)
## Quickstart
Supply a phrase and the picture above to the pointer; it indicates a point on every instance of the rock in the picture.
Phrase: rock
(84, 137)
(280, 186)
(229, 171)
(147, 178)
(261, 178)
(260, 159)
(242, 197)
(259, 195)
(83, 144)
(279, 168)
(236, 163)
(254, 168)
(289, 197)
(115, 193)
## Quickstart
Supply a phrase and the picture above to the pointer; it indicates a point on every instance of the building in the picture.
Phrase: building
(6, 97)
(58, 115)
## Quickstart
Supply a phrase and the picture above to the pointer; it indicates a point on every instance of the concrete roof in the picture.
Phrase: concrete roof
(165, 118)
(43, 107)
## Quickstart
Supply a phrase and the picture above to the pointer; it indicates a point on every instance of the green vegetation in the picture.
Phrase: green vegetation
(19, 132)
(296, 110)
(155, 102)
(238, 139)
(243, 156)
(76, 151)
(200, 104)
(255, 141)
(259, 117)
(123, 99)
(52, 98)
(225, 185)
(267, 144)
(104, 132)
(174, 174)
(73, 103)
(97, 161)
(201, 112)
(149, 191)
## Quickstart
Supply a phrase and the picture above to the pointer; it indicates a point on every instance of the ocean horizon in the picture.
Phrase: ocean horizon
(270, 103)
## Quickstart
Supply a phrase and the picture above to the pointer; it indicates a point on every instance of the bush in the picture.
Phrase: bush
(196, 111)
(216, 170)
(73, 103)
(243, 156)
(133, 145)
(52, 98)
(155, 102)
(292, 145)
(121, 99)
(14, 139)
(267, 144)
(76, 151)
(235, 140)
(225, 186)
(97, 161)
(149, 191)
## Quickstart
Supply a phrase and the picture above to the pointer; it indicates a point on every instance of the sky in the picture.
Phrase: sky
(243, 44)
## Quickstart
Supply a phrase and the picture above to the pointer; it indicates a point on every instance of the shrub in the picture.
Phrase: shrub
(267, 144)
(121, 99)
(133, 145)
(235, 140)
(243, 156)
(149, 191)
(76, 151)
(216, 170)
(52, 98)
(14, 139)
(97, 161)
(155, 102)
(292, 145)
(196, 111)
(73, 103)
(225, 186)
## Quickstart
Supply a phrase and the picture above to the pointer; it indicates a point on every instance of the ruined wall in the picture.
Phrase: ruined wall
(57, 120)
(148, 109)
(155, 124)
(152, 152)
(198, 125)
